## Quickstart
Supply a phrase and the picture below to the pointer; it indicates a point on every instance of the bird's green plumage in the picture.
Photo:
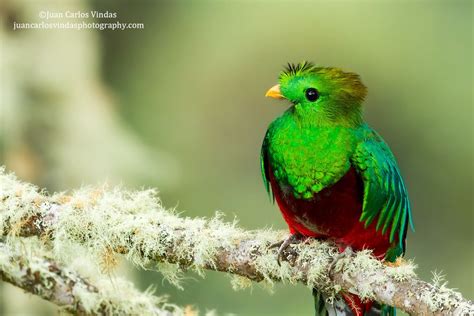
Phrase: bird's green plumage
(301, 161)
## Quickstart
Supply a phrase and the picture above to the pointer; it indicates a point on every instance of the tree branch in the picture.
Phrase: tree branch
(136, 225)
(23, 267)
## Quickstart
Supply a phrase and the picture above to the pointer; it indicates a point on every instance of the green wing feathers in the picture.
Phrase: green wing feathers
(385, 195)
(264, 167)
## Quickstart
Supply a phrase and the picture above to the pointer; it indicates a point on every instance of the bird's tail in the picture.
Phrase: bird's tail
(348, 305)
(338, 307)
(319, 304)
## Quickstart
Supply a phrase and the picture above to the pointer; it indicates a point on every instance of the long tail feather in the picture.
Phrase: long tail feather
(319, 304)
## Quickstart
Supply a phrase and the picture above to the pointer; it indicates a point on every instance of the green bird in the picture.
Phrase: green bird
(333, 176)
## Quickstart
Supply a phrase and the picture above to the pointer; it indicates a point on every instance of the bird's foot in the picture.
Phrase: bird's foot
(399, 262)
(283, 244)
(347, 253)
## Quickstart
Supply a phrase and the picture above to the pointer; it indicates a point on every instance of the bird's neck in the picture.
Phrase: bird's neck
(314, 117)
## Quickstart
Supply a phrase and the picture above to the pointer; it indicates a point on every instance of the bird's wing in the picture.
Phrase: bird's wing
(385, 195)
(264, 166)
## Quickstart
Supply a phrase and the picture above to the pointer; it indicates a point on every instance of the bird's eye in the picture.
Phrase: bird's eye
(312, 94)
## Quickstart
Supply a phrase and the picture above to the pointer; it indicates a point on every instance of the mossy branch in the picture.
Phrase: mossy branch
(23, 266)
(115, 221)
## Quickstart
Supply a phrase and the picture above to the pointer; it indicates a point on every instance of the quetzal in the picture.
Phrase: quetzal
(331, 175)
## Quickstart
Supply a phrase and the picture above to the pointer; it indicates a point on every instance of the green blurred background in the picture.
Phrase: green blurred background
(180, 106)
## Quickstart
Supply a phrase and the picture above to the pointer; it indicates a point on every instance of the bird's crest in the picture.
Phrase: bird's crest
(297, 69)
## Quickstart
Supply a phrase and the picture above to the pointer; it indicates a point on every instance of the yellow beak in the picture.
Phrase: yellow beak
(274, 92)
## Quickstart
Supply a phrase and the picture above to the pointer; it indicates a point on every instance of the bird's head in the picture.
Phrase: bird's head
(321, 95)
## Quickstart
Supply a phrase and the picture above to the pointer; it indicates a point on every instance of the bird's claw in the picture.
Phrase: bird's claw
(283, 244)
(276, 245)
(347, 253)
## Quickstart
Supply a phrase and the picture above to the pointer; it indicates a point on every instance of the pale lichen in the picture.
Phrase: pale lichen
(240, 283)
(316, 257)
(403, 272)
(25, 263)
(439, 297)
(361, 270)
(171, 273)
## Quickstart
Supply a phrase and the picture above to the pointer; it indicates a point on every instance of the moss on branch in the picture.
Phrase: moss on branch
(24, 264)
(111, 222)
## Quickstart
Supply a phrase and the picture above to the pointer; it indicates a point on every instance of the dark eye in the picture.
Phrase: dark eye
(312, 94)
